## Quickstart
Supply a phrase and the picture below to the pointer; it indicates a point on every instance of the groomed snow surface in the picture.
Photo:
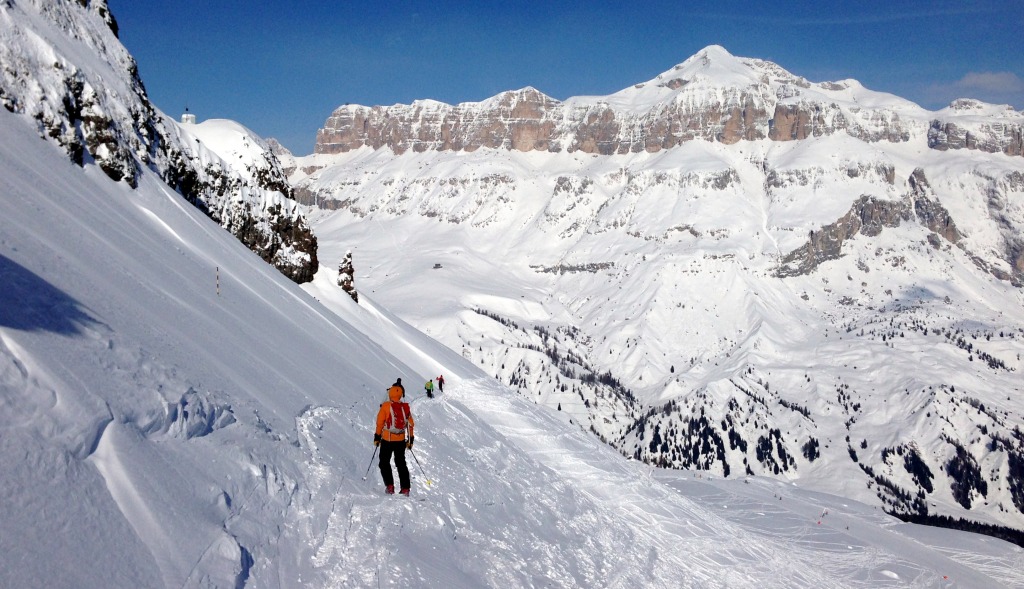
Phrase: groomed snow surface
(175, 413)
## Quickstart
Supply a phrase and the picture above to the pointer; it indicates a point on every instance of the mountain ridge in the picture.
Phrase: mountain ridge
(175, 412)
(713, 96)
(831, 282)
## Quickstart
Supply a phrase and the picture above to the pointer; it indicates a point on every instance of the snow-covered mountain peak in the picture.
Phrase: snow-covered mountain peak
(701, 79)
(743, 259)
(237, 147)
(528, 93)
(714, 65)
(175, 413)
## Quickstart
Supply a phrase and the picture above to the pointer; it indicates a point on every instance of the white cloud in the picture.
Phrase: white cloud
(992, 87)
(992, 82)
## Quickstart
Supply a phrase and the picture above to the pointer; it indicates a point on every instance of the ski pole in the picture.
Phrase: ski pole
(429, 482)
(371, 463)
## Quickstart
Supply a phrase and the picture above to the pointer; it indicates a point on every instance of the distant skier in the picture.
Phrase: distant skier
(430, 388)
(394, 419)
(440, 383)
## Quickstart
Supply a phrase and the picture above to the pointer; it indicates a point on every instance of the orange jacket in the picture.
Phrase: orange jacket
(384, 418)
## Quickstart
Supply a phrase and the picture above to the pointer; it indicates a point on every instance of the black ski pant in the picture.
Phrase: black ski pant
(398, 449)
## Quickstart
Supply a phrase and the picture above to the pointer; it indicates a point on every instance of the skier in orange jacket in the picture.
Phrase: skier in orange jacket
(394, 421)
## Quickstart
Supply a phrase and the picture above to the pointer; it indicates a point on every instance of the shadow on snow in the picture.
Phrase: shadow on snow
(29, 303)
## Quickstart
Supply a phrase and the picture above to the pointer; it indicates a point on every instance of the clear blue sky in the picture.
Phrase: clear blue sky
(281, 67)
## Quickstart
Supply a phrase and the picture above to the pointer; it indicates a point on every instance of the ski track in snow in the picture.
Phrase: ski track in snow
(701, 556)
(624, 524)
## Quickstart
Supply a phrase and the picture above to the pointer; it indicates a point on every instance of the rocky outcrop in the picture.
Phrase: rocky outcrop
(284, 156)
(346, 277)
(869, 216)
(81, 125)
(928, 211)
(1001, 137)
(97, 110)
(796, 121)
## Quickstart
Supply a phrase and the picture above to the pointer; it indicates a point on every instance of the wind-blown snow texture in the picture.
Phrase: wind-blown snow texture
(174, 412)
(838, 304)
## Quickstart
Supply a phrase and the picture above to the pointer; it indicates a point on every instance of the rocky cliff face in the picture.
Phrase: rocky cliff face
(970, 124)
(868, 216)
(518, 120)
(97, 110)
(712, 96)
(527, 120)
(991, 138)
(808, 119)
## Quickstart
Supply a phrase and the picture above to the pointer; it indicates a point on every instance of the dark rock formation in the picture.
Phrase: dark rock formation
(346, 277)
(868, 216)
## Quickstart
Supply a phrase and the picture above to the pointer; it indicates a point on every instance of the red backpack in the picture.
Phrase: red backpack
(397, 421)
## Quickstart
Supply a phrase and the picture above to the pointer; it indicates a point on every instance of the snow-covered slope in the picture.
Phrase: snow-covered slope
(175, 413)
(838, 305)
(64, 69)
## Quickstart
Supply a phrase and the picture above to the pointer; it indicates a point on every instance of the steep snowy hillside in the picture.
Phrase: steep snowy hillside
(838, 304)
(64, 69)
(175, 413)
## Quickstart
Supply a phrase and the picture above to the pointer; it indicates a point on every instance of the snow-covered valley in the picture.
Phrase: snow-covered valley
(159, 433)
(176, 412)
(841, 309)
